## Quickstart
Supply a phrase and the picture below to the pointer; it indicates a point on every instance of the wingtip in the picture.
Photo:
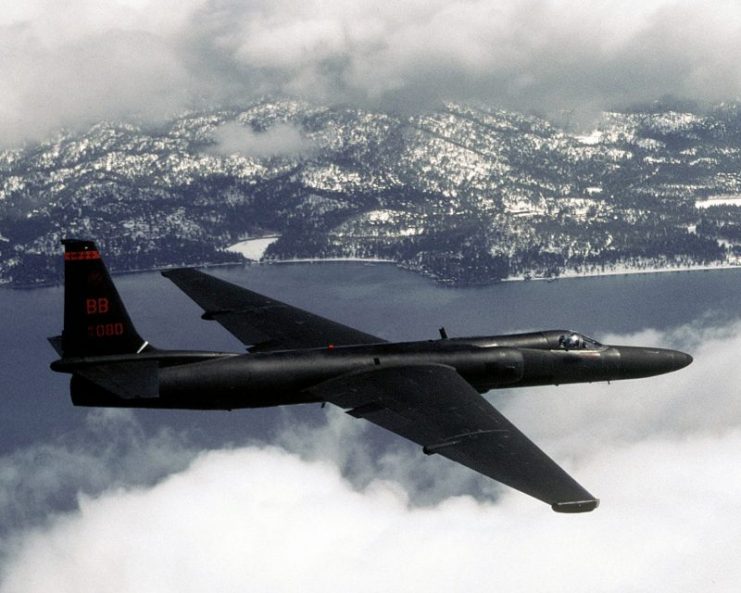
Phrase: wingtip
(576, 506)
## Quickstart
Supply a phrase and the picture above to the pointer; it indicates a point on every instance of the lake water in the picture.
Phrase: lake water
(377, 298)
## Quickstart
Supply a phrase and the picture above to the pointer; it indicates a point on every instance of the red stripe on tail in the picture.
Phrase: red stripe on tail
(81, 255)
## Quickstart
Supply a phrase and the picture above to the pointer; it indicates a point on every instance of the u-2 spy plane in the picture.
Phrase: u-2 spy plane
(428, 392)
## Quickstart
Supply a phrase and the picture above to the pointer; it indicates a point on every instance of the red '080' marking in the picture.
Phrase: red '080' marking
(105, 330)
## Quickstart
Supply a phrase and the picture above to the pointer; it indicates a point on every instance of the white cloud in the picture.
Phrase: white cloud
(71, 63)
(263, 519)
(280, 140)
(111, 452)
(111, 74)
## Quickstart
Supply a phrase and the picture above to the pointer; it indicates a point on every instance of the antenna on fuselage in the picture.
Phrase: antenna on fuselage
(443, 333)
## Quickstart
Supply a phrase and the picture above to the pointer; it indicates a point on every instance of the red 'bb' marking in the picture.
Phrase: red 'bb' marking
(81, 255)
(97, 306)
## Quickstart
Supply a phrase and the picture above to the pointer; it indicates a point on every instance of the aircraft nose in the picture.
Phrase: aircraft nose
(681, 359)
(646, 362)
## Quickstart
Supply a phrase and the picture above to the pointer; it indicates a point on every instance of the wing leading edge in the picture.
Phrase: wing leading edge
(433, 406)
(260, 322)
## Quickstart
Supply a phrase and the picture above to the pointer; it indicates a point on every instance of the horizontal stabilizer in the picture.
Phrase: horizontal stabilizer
(56, 343)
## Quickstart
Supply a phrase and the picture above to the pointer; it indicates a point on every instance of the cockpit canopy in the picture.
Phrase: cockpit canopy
(574, 341)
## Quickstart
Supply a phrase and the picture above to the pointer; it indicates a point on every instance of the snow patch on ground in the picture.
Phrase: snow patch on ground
(595, 137)
(726, 200)
(252, 249)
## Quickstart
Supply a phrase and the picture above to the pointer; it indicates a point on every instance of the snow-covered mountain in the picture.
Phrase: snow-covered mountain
(465, 194)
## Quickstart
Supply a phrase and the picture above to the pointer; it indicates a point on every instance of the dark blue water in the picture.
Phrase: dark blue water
(379, 299)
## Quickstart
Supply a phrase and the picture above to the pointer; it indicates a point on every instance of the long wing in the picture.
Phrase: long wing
(433, 406)
(260, 322)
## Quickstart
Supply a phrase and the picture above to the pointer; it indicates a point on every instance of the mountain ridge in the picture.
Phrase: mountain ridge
(464, 194)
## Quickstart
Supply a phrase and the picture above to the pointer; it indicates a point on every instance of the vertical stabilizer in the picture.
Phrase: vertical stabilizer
(95, 319)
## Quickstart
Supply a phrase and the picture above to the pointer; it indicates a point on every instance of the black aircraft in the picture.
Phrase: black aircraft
(428, 391)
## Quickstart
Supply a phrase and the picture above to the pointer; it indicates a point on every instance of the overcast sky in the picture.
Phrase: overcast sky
(73, 62)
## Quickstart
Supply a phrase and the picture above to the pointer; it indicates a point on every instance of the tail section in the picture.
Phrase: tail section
(95, 320)
(111, 365)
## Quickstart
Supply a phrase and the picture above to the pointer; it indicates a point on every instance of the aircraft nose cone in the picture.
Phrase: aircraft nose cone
(645, 362)
(681, 360)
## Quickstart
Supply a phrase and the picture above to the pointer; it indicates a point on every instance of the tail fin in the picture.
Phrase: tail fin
(95, 319)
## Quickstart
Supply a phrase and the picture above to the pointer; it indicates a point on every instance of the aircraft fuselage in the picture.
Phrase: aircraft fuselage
(227, 381)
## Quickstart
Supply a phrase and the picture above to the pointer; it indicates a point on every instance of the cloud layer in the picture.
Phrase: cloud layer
(335, 506)
(67, 64)
(280, 140)
(263, 519)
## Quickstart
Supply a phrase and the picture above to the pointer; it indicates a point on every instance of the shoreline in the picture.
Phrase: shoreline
(566, 275)
(327, 260)
(627, 271)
